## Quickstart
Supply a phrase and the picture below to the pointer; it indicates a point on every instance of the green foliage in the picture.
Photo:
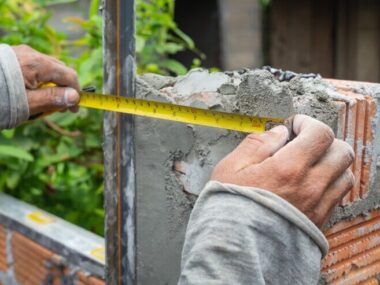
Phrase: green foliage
(21, 23)
(58, 169)
(56, 163)
(159, 36)
(265, 3)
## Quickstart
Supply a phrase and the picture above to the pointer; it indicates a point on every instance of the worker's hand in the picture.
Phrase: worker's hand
(39, 68)
(311, 172)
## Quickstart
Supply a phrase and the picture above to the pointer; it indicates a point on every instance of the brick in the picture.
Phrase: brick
(342, 117)
(372, 281)
(361, 260)
(350, 139)
(358, 146)
(367, 144)
(35, 265)
(355, 127)
(354, 254)
(352, 248)
(31, 260)
(359, 275)
(3, 252)
(354, 233)
(89, 280)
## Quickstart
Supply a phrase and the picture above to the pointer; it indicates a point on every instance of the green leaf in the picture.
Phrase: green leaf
(174, 66)
(8, 134)
(13, 179)
(64, 119)
(170, 48)
(94, 8)
(186, 38)
(265, 3)
(54, 2)
(140, 44)
(12, 151)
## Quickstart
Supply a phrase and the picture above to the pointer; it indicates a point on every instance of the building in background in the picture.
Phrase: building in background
(336, 38)
(228, 32)
(339, 38)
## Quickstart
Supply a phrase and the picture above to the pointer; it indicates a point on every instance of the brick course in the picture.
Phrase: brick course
(35, 265)
(355, 127)
(354, 254)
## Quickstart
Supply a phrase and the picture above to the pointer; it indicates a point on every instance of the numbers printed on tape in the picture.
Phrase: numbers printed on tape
(177, 113)
(40, 218)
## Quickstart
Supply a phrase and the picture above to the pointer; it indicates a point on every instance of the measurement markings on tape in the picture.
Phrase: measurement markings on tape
(177, 113)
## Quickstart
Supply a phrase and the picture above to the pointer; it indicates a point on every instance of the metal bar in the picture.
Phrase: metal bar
(119, 152)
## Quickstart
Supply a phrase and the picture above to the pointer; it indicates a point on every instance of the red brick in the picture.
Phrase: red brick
(356, 129)
(33, 263)
(354, 254)
(358, 261)
(372, 281)
(342, 116)
(30, 261)
(350, 139)
(359, 275)
(89, 280)
(367, 158)
(353, 233)
(352, 248)
(359, 139)
(3, 251)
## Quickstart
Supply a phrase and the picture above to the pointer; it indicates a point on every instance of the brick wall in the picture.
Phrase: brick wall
(354, 255)
(29, 263)
(355, 127)
(39, 248)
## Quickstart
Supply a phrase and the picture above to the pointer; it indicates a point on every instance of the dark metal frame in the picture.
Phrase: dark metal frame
(119, 148)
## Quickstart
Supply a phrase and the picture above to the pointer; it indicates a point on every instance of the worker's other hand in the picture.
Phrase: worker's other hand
(311, 172)
(39, 68)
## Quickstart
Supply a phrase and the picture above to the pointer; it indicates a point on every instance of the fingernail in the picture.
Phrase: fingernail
(282, 130)
(71, 97)
(279, 129)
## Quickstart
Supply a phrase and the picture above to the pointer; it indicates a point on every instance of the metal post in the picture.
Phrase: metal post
(119, 78)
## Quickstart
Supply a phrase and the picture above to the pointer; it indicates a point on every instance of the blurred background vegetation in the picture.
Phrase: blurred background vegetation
(56, 163)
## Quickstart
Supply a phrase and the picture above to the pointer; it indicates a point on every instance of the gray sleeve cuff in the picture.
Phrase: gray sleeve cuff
(279, 206)
(14, 107)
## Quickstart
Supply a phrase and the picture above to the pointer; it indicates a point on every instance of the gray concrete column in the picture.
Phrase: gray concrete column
(241, 33)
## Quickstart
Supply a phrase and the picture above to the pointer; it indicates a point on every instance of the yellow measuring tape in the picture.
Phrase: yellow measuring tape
(178, 113)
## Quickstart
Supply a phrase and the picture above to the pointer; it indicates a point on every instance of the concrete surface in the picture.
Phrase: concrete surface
(174, 161)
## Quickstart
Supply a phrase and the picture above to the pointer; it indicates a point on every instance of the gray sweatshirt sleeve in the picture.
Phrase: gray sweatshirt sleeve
(14, 107)
(241, 235)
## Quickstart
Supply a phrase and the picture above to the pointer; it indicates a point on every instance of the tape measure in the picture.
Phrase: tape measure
(178, 113)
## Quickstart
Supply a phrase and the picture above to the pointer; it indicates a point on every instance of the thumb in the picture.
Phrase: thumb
(51, 99)
(255, 148)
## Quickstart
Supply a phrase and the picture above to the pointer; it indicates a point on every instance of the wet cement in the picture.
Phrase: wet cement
(174, 161)
(261, 94)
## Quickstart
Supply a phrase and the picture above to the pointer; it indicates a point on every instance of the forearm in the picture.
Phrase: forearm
(240, 235)
(13, 101)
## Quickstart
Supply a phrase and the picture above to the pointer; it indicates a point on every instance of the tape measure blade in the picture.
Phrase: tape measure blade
(171, 112)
